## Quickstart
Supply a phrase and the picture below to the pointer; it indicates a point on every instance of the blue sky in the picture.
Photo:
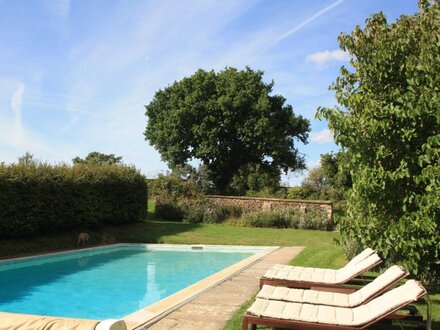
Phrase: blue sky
(75, 74)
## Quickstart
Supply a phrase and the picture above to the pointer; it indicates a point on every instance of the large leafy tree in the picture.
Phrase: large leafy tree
(389, 123)
(230, 121)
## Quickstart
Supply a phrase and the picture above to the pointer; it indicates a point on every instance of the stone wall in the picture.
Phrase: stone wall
(250, 204)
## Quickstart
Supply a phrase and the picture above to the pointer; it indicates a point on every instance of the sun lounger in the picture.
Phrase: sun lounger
(381, 284)
(308, 316)
(305, 277)
(356, 259)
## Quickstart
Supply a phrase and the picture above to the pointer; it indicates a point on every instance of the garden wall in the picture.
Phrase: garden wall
(249, 204)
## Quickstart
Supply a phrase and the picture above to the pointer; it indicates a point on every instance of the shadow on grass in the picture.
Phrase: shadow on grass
(151, 231)
(140, 232)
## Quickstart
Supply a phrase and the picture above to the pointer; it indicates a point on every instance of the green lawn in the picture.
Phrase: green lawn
(320, 251)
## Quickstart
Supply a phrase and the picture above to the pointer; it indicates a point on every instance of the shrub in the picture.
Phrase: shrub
(287, 218)
(169, 211)
(174, 197)
(281, 218)
(195, 216)
(314, 219)
(39, 198)
(208, 213)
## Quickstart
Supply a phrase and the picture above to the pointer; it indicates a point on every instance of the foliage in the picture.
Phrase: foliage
(226, 119)
(255, 178)
(43, 198)
(336, 172)
(179, 199)
(281, 192)
(389, 124)
(28, 159)
(174, 196)
(199, 176)
(172, 187)
(97, 158)
(209, 213)
(329, 181)
(286, 218)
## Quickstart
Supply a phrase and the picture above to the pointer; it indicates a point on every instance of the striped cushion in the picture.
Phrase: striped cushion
(390, 276)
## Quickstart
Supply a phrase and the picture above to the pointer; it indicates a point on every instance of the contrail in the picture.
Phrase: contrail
(309, 20)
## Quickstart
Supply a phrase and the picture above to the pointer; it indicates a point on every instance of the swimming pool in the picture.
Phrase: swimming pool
(109, 282)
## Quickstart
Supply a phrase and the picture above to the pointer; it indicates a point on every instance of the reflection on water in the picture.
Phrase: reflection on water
(83, 261)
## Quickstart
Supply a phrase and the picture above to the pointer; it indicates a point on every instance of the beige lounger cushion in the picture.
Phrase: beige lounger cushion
(331, 298)
(361, 256)
(321, 275)
(357, 316)
(26, 322)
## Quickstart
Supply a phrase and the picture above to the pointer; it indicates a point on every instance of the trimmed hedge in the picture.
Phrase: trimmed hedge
(43, 198)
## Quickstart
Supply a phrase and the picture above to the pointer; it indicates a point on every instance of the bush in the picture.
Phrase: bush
(314, 219)
(174, 197)
(169, 211)
(41, 198)
(195, 216)
(208, 213)
(286, 218)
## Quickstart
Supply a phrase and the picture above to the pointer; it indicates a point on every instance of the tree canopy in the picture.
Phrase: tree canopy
(230, 121)
(97, 158)
(389, 124)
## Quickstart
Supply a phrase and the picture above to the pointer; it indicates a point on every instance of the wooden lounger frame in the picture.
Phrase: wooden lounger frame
(309, 284)
(249, 319)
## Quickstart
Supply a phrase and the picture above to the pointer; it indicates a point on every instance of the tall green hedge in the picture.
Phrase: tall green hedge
(43, 198)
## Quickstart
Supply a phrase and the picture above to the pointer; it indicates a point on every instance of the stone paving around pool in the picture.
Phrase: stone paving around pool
(212, 309)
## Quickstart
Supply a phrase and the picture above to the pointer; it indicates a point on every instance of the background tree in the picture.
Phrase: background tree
(97, 158)
(389, 125)
(228, 120)
(28, 159)
(252, 178)
(329, 181)
(199, 175)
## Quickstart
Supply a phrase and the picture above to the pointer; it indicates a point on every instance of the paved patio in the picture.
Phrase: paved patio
(212, 309)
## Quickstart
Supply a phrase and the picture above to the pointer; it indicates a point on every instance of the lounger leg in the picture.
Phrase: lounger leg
(244, 323)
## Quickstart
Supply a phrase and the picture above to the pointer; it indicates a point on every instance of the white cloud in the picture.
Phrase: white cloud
(321, 137)
(309, 20)
(321, 58)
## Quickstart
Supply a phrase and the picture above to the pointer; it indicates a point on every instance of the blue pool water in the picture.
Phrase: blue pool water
(104, 283)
